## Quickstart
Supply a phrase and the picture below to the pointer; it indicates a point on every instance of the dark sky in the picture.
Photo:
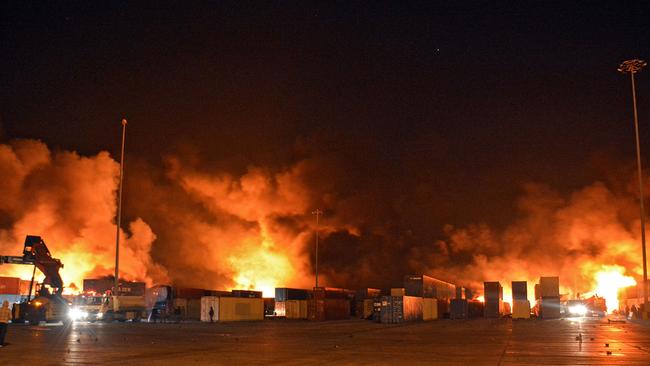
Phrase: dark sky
(472, 100)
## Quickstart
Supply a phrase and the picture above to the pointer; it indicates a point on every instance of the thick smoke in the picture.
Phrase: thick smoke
(68, 200)
(200, 225)
(572, 236)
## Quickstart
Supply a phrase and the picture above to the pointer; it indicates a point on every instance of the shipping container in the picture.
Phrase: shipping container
(413, 310)
(392, 309)
(492, 290)
(332, 293)
(320, 309)
(476, 309)
(444, 308)
(103, 285)
(296, 309)
(519, 290)
(24, 287)
(189, 293)
(493, 308)
(459, 309)
(399, 291)
(240, 309)
(247, 293)
(520, 309)
(208, 302)
(367, 293)
(365, 308)
(284, 294)
(549, 286)
(193, 309)
(550, 307)
(9, 286)
(429, 309)
(426, 286)
(396, 309)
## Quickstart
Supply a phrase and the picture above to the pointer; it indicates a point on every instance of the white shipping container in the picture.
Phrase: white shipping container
(206, 303)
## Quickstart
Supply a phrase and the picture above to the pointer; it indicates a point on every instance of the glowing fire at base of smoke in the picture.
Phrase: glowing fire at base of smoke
(262, 270)
(609, 281)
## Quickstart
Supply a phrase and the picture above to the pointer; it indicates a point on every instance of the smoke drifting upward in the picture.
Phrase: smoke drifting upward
(575, 237)
(198, 226)
(69, 201)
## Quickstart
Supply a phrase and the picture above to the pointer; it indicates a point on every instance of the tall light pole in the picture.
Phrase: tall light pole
(632, 67)
(317, 212)
(119, 214)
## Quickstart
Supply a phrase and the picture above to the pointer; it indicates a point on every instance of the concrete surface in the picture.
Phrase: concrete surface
(353, 342)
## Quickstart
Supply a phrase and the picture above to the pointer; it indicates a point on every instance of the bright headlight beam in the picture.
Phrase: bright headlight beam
(578, 310)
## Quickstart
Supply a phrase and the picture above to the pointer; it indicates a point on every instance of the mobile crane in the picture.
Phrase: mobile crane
(48, 304)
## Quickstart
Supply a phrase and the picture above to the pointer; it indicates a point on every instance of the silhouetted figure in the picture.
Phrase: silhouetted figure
(5, 315)
(211, 313)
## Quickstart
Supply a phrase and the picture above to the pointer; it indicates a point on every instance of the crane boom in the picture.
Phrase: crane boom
(36, 252)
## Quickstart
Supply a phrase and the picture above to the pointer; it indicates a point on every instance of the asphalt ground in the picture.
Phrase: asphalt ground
(354, 342)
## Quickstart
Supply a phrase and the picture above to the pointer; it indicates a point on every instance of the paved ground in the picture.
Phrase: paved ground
(354, 342)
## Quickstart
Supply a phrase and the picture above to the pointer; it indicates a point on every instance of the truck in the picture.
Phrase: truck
(48, 304)
(99, 301)
(122, 308)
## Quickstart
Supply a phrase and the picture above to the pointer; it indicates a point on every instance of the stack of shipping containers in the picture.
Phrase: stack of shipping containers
(459, 307)
(365, 299)
(493, 293)
(328, 304)
(284, 294)
(429, 287)
(549, 293)
(520, 303)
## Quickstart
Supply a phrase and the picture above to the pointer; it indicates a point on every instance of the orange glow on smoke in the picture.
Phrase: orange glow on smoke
(609, 281)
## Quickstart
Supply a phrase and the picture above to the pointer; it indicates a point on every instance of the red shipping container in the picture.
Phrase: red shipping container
(24, 287)
(9, 285)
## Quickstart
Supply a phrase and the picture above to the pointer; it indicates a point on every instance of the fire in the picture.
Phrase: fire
(261, 270)
(609, 281)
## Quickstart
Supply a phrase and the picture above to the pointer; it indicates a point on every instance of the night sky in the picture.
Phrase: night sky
(459, 105)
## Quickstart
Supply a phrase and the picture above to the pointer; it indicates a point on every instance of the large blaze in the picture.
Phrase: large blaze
(198, 227)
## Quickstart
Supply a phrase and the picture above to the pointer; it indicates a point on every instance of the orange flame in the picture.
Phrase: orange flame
(609, 281)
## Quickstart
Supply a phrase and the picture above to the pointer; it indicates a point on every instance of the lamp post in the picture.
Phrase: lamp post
(119, 214)
(317, 212)
(632, 67)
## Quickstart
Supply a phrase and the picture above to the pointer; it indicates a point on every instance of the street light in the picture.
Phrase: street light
(632, 67)
(119, 213)
(317, 212)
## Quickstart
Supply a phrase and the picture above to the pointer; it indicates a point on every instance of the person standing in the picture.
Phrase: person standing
(211, 313)
(5, 315)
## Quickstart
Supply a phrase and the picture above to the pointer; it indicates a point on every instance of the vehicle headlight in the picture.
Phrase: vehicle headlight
(76, 314)
(578, 310)
(100, 315)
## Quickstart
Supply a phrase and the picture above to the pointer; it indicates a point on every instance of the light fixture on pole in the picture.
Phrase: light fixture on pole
(632, 67)
(317, 212)
(119, 213)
